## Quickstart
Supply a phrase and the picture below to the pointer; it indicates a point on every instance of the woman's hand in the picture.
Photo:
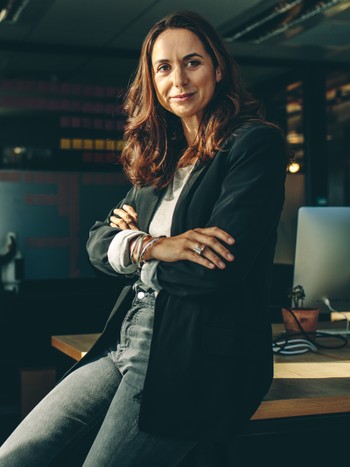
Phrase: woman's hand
(202, 246)
(125, 218)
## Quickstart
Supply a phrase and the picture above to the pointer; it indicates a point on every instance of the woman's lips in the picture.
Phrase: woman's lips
(182, 97)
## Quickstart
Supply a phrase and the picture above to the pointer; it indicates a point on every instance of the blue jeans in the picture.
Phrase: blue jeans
(102, 395)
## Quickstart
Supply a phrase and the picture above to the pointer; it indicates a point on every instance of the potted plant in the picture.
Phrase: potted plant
(298, 316)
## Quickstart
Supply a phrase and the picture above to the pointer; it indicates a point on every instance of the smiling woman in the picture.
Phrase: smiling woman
(193, 241)
(147, 157)
(185, 82)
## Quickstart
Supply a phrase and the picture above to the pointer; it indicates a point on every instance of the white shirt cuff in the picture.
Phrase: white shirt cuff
(119, 251)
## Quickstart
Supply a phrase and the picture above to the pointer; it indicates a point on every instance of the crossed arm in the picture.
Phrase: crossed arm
(180, 247)
(242, 222)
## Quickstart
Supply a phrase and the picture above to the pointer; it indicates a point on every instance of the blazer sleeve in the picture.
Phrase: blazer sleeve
(248, 207)
(101, 235)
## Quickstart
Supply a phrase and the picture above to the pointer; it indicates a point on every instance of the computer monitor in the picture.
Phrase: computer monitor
(322, 257)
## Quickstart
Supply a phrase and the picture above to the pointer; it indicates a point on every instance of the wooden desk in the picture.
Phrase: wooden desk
(76, 345)
(304, 385)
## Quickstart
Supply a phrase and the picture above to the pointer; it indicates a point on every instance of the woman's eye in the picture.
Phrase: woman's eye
(163, 68)
(192, 63)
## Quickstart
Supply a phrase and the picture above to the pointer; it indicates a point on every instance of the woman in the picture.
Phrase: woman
(186, 354)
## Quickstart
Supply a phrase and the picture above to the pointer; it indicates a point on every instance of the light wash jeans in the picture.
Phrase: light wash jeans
(102, 395)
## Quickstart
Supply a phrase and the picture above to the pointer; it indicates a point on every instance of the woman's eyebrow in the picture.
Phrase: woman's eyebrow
(186, 57)
(194, 54)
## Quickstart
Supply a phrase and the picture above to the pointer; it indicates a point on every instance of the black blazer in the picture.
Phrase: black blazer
(211, 355)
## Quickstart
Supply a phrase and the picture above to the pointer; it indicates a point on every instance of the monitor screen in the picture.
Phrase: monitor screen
(322, 257)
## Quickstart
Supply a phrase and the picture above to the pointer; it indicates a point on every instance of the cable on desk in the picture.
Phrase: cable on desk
(297, 343)
(286, 346)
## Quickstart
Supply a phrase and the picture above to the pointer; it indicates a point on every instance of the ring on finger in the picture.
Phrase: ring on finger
(198, 249)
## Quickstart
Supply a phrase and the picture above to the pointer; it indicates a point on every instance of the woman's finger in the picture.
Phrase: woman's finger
(130, 210)
(208, 255)
(217, 233)
(200, 259)
(119, 223)
(127, 220)
(213, 246)
(124, 215)
(128, 214)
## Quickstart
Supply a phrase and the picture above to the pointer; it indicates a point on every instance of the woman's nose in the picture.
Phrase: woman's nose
(180, 77)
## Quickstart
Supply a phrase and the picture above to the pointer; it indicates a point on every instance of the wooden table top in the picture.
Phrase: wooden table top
(75, 345)
(307, 384)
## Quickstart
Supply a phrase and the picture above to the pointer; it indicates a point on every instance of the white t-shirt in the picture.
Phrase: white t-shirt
(119, 252)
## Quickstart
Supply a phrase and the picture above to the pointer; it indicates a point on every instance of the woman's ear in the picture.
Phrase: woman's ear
(218, 75)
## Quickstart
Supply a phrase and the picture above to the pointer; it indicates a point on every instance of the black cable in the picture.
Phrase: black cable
(292, 346)
(288, 338)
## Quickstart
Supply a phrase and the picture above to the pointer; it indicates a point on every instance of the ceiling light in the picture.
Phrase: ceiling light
(278, 19)
(3, 14)
(11, 10)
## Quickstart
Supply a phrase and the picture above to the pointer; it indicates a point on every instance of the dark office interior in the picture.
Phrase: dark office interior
(64, 67)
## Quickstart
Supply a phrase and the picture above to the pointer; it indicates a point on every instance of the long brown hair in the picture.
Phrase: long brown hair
(154, 142)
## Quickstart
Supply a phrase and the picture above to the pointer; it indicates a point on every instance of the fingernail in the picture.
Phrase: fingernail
(230, 240)
(230, 257)
(221, 264)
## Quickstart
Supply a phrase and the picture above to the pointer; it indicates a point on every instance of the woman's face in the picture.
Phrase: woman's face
(184, 74)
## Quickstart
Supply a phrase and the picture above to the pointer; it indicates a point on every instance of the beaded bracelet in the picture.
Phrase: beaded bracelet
(154, 240)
